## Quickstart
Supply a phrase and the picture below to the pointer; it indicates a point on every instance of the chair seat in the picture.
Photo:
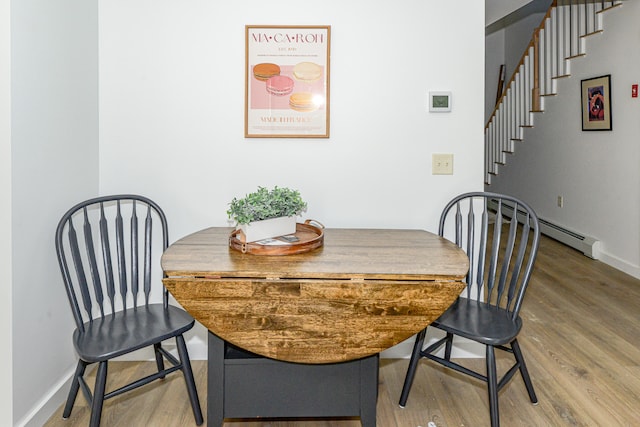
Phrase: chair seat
(480, 322)
(130, 330)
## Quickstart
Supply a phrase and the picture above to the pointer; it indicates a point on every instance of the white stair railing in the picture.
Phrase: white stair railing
(559, 38)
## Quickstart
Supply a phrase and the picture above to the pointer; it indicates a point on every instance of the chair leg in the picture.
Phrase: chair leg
(413, 364)
(75, 386)
(98, 395)
(159, 359)
(523, 371)
(448, 346)
(492, 385)
(189, 380)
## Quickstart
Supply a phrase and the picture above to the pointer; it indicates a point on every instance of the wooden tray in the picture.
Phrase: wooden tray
(310, 237)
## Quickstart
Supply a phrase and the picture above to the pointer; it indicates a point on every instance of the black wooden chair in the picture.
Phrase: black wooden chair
(107, 263)
(501, 258)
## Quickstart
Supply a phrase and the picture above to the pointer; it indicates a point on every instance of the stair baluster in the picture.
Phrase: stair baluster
(559, 38)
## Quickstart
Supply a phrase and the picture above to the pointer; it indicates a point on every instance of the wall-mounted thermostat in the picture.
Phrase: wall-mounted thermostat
(439, 102)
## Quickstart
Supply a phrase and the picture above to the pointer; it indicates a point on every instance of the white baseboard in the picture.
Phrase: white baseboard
(57, 395)
(619, 264)
(49, 404)
(462, 348)
(196, 346)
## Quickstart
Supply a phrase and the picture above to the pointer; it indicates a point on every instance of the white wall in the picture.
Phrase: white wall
(172, 101)
(172, 88)
(506, 46)
(54, 163)
(497, 9)
(597, 173)
(494, 57)
(171, 84)
(6, 356)
(516, 39)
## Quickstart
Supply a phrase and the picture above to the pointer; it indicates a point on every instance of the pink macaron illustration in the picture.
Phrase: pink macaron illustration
(280, 85)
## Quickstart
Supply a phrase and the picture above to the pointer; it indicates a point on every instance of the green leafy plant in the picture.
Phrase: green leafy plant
(266, 204)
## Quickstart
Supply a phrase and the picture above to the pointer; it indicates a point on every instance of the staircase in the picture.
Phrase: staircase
(559, 38)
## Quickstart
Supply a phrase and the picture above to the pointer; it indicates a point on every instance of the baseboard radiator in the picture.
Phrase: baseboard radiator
(585, 244)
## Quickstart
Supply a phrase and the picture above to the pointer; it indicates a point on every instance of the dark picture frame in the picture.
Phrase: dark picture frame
(596, 103)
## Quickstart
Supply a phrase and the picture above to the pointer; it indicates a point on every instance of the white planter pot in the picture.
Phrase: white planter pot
(268, 228)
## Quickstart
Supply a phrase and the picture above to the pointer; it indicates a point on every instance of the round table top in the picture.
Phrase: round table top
(363, 291)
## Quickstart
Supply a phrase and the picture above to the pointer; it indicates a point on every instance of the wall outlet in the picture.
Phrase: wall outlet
(442, 164)
(560, 201)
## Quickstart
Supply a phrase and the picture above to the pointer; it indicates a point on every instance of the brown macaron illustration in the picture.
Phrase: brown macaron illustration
(265, 70)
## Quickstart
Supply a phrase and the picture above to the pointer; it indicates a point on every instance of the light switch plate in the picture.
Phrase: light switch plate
(442, 164)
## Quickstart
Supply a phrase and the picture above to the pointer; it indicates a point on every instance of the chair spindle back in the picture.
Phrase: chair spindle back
(500, 234)
(105, 247)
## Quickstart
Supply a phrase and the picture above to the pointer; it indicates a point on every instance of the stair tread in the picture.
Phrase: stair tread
(547, 81)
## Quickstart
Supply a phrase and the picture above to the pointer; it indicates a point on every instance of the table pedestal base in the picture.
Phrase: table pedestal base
(243, 385)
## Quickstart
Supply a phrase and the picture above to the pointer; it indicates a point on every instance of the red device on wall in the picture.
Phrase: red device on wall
(634, 90)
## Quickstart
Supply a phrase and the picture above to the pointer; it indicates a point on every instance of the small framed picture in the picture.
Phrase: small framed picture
(596, 103)
(439, 102)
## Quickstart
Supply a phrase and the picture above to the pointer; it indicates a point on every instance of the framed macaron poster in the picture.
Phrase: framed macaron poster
(287, 81)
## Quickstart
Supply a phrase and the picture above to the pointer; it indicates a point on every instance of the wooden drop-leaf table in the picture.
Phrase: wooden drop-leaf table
(299, 335)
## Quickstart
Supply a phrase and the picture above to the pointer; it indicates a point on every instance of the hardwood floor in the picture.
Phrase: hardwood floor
(581, 341)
